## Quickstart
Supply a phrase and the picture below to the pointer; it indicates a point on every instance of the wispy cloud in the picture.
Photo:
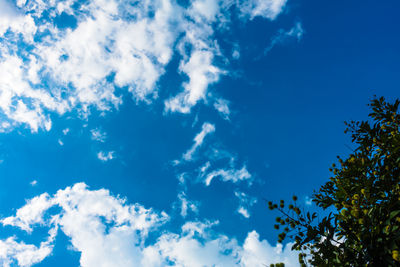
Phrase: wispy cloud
(232, 175)
(186, 205)
(295, 33)
(245, 203)
(206, 129)
(222, 106)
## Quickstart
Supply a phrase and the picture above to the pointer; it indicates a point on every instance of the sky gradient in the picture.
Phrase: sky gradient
(150, 133)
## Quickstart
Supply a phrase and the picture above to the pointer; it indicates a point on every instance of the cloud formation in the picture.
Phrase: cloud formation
(233, 175)
(245, 203)
(206, 129)
(107, 231)
(186, 205)
(53, 67)
(269, 9)
(222, 106)
(103, 228)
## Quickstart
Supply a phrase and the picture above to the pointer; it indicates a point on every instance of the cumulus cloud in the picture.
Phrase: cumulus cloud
(206, 129)
(201, 73)
(186, 250)
(110, 40)
(12, 19)
(107, 231)
(111, 44)
(196, 245)
(198, 62)
(258, 252)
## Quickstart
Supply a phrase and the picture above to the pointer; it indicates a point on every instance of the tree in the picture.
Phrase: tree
(361, 200)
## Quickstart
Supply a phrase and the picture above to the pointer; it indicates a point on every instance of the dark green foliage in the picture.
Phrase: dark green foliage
(363, 228)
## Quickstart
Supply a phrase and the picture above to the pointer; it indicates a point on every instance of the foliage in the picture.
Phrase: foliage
(363, 195)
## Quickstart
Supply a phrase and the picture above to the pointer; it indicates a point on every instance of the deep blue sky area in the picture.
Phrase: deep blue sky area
(289, 93)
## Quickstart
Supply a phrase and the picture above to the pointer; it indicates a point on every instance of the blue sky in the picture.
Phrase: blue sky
(149, 133)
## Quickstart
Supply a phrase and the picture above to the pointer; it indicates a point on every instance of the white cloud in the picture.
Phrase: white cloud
(103, 228)
(107, 232)
(33, 183)
(187, 205)
(244, 212)
(12, 19)
(25, 254)
(198, 62)
(222, 106)
(196, 245)
(13, 88)
(269, 9)
(110, 39)
(233, 175)
(207, 9)
(245, 202)
(186, 250)
(113, 44)
(258, 252)
(204, 168)
(201, 73)
(105, 156)
(31, 213)
(206, 129)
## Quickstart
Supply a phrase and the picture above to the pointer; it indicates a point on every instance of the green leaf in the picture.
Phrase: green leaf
(394, 214)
